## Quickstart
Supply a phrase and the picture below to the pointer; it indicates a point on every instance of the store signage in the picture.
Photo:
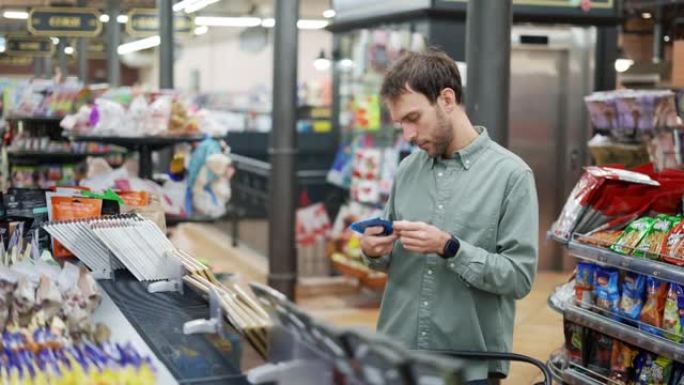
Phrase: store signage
(557, 3)
(63, 21)
(145, 22)
(97, 49)
(15, 60)
(29, 46)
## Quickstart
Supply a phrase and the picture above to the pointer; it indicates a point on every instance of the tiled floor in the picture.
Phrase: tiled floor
(538, 329)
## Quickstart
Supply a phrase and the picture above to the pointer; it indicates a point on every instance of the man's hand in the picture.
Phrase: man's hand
(420, 237)
(375, 245)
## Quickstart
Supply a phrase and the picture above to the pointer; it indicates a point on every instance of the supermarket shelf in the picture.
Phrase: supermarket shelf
(553, 237)
(575, 377)
(52, 157)
(31, 119)
(656, 269)
(172, 220)
(625, 333)
(151, 142)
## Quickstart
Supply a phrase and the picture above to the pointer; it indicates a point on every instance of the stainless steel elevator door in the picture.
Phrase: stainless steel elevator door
(537, 119)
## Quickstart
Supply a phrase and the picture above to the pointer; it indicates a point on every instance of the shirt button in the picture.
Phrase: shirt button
(439, 174)
(451, 265)
(425, 303)
(423, 334)
(429, 272)
(440, 207)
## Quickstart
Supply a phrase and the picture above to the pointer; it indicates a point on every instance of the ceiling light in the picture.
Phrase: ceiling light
(138, 45)
(345, 64)
(622, 65)
(311, 24)
(55, 40)
(201, 30)
(104, 18)
(217, 21)
(329, 13)
(199, 5)
(19, 15)
(666, 38)
(181, 5)
(646, 15)
(123, 19)
(268, 22)
(69, 50)
(321, 63)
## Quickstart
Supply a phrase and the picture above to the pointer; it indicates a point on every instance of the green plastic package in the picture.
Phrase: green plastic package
(632, 236)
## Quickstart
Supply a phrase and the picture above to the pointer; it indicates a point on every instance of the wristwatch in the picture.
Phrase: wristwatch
(451, 248)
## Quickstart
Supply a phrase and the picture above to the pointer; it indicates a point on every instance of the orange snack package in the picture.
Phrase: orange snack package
(65, 208)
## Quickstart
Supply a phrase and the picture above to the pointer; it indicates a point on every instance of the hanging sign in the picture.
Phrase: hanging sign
(29, 46)
(64, 21)
(15, 60)
(145, 22)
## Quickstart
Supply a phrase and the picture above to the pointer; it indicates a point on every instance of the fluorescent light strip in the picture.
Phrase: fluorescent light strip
(216, 21)
(201, 30)
(311, 24)
(123, 19)
(139, 45)
(183, 4)
(199, 5)
(18, 15)
(104, 18)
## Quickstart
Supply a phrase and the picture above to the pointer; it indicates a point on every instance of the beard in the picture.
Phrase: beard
(442, 136)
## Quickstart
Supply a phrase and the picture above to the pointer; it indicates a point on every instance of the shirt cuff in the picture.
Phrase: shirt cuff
(376, 263)
(469, 262)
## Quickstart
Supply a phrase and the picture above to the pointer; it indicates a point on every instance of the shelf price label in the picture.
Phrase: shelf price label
(63, 21)
(145, 22)
(29, 46)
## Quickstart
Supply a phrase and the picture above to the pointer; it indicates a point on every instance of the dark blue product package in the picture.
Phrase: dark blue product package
(633, 294)
(607, 292)
(584, 284)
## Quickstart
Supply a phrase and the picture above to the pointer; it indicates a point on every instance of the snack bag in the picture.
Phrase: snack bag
(606, 290)
(604, 238)
(622, 362)
(600, 354)
(584, 283)
(633, 293)
(574, 342)
(673, 245)
(672, 323)
(655, 371)
(652, 312)
(632, 236)
(650, 246)
(64, 208)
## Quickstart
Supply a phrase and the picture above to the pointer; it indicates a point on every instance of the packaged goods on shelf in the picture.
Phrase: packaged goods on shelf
(44, 98)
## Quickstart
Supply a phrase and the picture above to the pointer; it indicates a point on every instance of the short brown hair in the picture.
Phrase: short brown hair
(426, 72)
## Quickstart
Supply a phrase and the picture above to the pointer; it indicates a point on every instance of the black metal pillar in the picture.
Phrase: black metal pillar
(145, 162)
(658, 34)
(82, 52)
(488, 55)
(47, 67)
(606, 52)
(282, 253)
(61, 58)
(113, 41)
(165, 8)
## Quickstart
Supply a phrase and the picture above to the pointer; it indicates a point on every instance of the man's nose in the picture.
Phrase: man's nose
(409, 131)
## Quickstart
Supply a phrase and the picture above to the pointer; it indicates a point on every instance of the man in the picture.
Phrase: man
(464, 211)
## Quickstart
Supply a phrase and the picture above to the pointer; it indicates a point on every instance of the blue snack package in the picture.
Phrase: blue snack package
(361, 226)
(606, 290)
(672, 323)
(633, 293)
(585, 275)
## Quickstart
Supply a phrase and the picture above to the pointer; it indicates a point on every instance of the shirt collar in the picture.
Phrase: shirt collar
(466, 156)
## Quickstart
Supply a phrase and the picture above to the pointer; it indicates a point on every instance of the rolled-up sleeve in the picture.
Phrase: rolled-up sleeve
(511, 270)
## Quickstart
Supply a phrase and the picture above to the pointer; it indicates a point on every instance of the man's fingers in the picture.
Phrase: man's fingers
(407, 225)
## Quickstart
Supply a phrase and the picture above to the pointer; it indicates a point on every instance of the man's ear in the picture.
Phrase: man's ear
(447, 99)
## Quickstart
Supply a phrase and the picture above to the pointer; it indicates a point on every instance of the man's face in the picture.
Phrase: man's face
(422, 123)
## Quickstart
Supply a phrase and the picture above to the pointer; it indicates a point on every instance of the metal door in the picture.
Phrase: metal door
(548, 128)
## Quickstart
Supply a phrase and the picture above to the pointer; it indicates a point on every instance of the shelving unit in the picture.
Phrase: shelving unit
(143, 145)
(610, 327)
(33, 157)
(608, 257)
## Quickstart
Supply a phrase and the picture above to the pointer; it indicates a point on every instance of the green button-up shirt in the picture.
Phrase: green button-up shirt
(485, 196)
